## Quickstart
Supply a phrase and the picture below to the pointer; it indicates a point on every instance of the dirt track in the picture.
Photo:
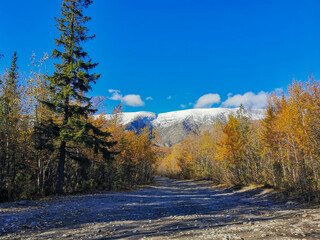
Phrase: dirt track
(169, 209)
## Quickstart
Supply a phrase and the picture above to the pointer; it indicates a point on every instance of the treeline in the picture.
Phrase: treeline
(51, 141)
(282, 150)
(29, 156)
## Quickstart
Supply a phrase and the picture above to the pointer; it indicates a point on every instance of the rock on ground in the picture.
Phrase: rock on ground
(169, 209)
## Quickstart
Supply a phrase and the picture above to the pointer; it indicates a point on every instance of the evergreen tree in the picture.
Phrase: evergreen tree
(68, 84)
(10, 118)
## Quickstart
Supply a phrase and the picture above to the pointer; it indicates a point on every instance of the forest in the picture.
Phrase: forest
(53, 142)
(105, 158)
(281, 151)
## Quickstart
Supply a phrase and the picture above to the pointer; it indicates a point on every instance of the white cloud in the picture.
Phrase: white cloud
(207, 100)
(248, 100)
(183, 106)
(113, 90)
(132, 100)
(149, 98)
(169, 97)
(115, 94)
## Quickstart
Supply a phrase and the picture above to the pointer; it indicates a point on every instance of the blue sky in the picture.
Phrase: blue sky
(170, 55)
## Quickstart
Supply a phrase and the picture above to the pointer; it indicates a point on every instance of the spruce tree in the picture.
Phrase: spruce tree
(10, 118)
(68, 84)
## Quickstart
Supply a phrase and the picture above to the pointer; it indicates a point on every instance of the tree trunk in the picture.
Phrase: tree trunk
(62, 158)
(62, 150)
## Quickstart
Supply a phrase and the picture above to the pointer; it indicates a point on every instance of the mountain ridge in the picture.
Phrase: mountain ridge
(175, 126)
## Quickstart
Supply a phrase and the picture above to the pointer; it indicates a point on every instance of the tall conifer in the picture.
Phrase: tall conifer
(69, 83)
(10, 118)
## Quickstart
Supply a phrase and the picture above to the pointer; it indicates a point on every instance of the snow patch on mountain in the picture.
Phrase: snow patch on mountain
(201, 116)
(175, 126)
(129, 117)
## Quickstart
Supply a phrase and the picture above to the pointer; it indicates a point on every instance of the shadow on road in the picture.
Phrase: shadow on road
(161, 209)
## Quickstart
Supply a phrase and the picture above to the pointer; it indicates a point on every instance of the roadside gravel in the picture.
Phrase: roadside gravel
(169, 209)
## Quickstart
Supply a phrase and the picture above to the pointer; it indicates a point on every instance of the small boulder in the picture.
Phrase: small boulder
(23, 202)
(33, 224)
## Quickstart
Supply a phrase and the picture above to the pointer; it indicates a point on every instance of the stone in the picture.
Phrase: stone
(23, 202)
(33, 224)
(290, 203)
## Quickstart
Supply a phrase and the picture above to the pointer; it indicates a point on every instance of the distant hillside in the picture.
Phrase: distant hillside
(175, 126)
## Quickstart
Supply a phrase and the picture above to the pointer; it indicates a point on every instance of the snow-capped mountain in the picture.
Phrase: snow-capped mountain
(130, 117)
(175, 126)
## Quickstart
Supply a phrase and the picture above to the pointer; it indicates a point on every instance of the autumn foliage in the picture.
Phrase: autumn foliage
(282, 150)
(50, 139)
(135, 156)
(29, 153)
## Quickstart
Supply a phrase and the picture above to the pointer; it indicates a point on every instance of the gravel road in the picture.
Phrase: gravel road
(169, 209)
